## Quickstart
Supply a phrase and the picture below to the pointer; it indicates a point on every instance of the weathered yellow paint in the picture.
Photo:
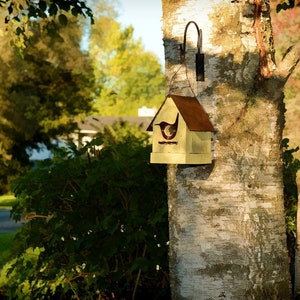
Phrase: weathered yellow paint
(181, 158)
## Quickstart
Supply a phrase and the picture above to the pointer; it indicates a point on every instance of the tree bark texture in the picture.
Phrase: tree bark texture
(227, 228)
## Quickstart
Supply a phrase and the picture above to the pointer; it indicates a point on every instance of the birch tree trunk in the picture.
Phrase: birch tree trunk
(227, 227)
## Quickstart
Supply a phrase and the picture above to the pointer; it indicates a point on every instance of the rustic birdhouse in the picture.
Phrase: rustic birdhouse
(181, 132)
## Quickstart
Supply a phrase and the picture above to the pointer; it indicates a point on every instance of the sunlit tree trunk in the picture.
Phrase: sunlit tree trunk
(227, 229)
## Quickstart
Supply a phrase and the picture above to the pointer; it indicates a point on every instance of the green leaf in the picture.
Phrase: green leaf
(10, 8)
(75, 11)
(19, 30)
(65, 5)
(63, 20)
(32, 11)
(140, 263)
(52, 9)
(43, 5)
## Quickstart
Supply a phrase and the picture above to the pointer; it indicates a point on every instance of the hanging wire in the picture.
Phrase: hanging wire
(186, 75)
(172, 78)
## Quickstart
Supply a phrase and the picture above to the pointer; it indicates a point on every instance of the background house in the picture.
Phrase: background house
(88, 128)
(92, 124)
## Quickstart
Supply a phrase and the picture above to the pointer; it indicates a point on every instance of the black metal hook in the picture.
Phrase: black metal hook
(199, 55)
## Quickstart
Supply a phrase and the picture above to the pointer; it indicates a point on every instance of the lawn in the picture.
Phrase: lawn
(7, 201)
(6, 239)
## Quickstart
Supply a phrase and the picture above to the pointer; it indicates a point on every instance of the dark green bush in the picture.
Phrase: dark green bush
(97, 223)
(290, 167)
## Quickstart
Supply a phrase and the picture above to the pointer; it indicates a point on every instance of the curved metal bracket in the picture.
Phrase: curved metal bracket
(199, 55)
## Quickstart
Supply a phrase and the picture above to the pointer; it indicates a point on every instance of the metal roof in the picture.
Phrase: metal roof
(192, 112)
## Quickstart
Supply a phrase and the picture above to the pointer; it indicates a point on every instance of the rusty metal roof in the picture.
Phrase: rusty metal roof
(192, 112)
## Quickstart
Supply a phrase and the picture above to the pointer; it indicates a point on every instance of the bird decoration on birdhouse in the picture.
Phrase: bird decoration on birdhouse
(168, 130)
(182, 132)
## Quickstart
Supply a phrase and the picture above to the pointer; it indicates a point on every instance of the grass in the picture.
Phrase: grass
(6, 239)
(7, 201)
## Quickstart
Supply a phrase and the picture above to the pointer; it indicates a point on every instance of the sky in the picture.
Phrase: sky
(145, 17)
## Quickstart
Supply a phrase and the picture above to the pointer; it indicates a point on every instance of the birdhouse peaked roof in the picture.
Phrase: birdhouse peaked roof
(192, 112)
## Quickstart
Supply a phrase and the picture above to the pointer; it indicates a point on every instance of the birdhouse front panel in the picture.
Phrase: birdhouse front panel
(173, 141)
(169, 130)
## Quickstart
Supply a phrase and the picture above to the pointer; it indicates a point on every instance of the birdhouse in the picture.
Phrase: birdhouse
(182, 132)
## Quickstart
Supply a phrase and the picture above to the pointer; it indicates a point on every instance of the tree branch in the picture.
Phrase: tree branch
(289, 62)
(265, 69)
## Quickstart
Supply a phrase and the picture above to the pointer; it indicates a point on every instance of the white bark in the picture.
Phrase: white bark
(227, 231)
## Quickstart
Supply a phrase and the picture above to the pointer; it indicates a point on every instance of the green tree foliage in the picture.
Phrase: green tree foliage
(287, 4)
(42, 93)
(97, 225)
(15, 10)
(128, 77)
(18, 13)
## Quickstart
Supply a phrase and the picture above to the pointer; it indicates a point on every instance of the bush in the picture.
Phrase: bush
(100, 218)
(290, 167)
(6, 243)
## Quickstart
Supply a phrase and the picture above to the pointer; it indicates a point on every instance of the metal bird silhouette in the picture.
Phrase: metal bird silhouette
(168, 131)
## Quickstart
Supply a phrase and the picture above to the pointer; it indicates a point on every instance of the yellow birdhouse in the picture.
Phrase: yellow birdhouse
(181, 132)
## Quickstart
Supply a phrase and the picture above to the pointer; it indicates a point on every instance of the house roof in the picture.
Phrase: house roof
(192, 112)
(93, 124)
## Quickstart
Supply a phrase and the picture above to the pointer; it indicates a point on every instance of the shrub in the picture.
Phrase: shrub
(100, 218)
(290, 167)
(6, 242)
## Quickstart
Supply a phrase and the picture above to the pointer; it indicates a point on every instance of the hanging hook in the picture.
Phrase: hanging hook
(199, 55)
